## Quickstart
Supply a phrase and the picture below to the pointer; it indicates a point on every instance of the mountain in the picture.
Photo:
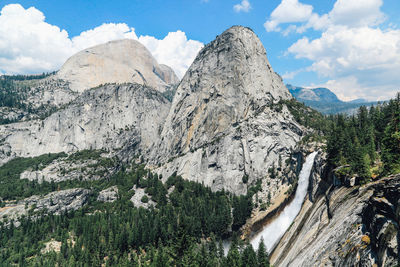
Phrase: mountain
(228, 103)
(222, 124)
(325, 101)
(82, 118)
(121, 61)
(315, 94)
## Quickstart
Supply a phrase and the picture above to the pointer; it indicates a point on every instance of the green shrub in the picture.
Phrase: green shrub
(145, 199)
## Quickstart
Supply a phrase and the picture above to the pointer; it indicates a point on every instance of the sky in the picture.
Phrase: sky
(349, 46)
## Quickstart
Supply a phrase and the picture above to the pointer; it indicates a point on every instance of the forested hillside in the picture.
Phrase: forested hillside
(13, 92)
(184, 227)
(367, 144)
(26, 97)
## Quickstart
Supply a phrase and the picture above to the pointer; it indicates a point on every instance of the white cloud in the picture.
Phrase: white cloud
(342, 50)
(357, 56)
(243, 6)
(103, 34)
(344, 12)
(368, 57)
(28, 44)
(290, 75)
(174, 50)
(349, 88)
(288, 11)
(357, 13)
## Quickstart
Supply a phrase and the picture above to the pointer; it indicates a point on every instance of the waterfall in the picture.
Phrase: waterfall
(272, 232)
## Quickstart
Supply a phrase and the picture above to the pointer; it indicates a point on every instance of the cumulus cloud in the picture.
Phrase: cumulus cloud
(103, 34)
(243, 6)
(357, 13)
(174, 50)
(288, 11)
(28, 44)
(342, 50)
(301, 17)
(357, 56)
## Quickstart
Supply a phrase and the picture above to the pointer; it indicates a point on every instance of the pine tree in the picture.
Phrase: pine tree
(233, 258)
(391, 138)
(249, 257)
(262, 255)
(360, 164)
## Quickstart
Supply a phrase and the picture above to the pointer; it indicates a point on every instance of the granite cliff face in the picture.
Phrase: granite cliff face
(345, 226)
(224, 122)
(120, 61)
(66, 114)
(111, 117)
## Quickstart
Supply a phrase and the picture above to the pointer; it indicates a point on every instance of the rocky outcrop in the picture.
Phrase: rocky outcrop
(49, 91)
(51, 246)
(168, 75)
(53, 203)
(37, 98)
(67, 168)
(141, 199)
(119, 61)
(225, 121)
(108, 195)
(348, 226)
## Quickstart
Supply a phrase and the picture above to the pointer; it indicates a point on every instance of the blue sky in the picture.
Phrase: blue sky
(351, 47)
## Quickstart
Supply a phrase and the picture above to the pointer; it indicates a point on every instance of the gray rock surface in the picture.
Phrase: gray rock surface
(136, 199)
(49, 91)
(52, 203)
(111, 117)
(168, 75)
(108, 195)
(64, 169)
(224, 121)
(119, 61)
(347, 227)
(40, 97)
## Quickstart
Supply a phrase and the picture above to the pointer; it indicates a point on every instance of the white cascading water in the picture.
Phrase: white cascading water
(272, 232)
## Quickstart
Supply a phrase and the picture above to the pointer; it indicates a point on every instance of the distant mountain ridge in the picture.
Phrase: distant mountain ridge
(318, 98)
(314, 94)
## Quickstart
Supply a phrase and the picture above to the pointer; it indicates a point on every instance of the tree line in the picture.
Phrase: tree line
(365, 144)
